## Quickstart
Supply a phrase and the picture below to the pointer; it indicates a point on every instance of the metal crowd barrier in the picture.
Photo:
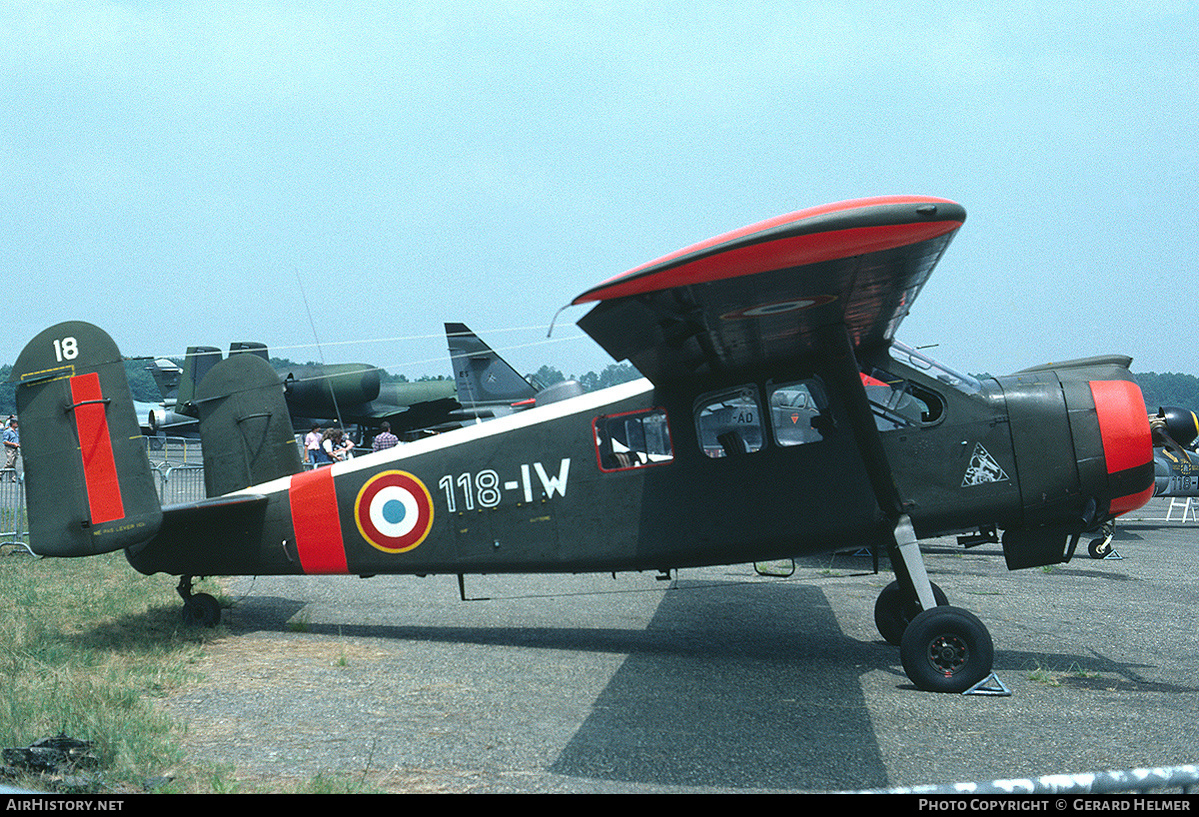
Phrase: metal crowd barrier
(14, 523)
(180, 483)
(174, 450)
(1122, 781)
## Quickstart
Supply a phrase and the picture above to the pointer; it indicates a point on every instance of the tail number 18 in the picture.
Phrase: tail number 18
(66, 349)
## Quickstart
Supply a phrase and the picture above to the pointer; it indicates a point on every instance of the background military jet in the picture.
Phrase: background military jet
(344, 394)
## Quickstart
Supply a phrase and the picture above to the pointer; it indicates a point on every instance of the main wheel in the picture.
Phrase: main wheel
(946, 649)
(202, 610)
(893, 611)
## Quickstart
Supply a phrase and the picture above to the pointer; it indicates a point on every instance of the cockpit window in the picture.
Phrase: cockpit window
(899, 403)
(910, 357)
(632, 440)
(729, 423)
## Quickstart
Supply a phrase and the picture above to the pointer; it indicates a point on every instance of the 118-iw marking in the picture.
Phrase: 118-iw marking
(485, 490)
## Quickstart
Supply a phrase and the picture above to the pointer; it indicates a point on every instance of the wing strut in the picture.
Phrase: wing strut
(844, 377)
(841, 370)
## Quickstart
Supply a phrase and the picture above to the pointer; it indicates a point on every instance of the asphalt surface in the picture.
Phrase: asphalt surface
(719, 680)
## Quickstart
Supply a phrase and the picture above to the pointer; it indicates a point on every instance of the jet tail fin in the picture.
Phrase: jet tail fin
(166, 374)
(88, 484)
(245, 427)
(196, 363)
(481, 376)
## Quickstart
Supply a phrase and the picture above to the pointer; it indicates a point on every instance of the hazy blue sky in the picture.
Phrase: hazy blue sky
(175, 171)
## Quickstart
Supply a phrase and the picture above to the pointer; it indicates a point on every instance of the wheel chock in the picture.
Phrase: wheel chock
(1111, 554)
(991, 685)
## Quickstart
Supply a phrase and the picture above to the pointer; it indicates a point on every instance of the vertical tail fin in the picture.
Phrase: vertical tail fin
(88, 484)
(245, 426)
(166, 374)
(196, 363)
(481, 376)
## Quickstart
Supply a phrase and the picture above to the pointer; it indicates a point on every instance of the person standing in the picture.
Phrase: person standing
(12, 447)
(384, 439)
(312, 444)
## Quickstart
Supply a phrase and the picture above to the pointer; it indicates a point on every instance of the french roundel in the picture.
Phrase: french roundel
(766, 310)
(394, 511)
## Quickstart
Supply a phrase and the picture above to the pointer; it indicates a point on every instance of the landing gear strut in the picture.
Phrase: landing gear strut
(943, 648)
(1101, 547)
(199, 609)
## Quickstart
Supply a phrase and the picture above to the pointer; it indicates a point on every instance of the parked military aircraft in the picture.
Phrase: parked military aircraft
(162, 418)
(484, 386)
(685, 468)
(1175, 466)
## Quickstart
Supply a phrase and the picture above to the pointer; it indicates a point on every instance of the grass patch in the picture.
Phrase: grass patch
(85, 647)
(1054, 678)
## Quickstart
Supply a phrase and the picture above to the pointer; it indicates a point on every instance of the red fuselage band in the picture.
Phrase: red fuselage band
(314, 517)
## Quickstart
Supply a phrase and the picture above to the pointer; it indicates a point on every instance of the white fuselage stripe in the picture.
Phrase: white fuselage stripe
(576, 405)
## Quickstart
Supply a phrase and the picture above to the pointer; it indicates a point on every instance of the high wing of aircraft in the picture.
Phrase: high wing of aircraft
(778, 417)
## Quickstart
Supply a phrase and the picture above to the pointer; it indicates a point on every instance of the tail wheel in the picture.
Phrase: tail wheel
(201, 610)
(894, 610)
(946, 649)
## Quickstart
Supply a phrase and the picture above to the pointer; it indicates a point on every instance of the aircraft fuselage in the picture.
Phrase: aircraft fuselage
(637, 477)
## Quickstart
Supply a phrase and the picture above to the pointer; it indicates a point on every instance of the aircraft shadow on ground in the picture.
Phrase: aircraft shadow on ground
(764, 693)
(732, 685)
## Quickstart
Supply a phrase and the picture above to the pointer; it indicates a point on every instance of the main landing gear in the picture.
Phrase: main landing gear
(199, 609)
(943, 648)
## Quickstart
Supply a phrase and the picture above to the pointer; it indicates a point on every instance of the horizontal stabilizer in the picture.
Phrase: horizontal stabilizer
(88, 484)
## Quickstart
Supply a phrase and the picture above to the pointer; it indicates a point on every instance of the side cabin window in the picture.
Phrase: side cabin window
(632, 440)
(900, 403)
(729, 423)
(796, 411)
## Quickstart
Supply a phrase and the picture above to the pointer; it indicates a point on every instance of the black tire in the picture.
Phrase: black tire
(202, 610)
(893, 612)
(946, 649)
(1099, 548)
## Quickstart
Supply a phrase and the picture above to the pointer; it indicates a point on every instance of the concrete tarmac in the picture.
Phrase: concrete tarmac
(718, 680)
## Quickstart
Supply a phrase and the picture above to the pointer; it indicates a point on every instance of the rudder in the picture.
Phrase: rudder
(88, 484)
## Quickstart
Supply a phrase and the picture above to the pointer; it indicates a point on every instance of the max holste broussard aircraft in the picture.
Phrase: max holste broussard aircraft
(778, 417)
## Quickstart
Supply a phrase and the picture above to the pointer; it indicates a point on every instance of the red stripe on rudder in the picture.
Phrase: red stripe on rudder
(95, 446)
(314, 516)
